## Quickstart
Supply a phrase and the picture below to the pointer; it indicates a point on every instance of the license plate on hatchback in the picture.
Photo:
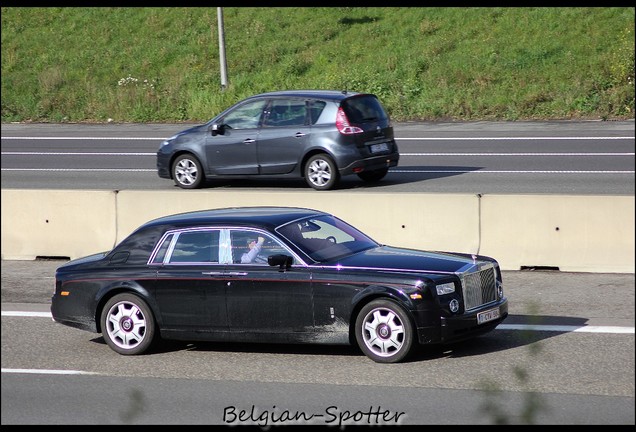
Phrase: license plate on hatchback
(488, 315)
(377, 148)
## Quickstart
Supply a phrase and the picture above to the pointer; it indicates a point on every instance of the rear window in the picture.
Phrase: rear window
(364, 109)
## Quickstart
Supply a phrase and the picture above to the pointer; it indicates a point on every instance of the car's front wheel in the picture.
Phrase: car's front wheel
(373, 176)
(384, 331)
(187, 172)
(321, 172)
(128, 324)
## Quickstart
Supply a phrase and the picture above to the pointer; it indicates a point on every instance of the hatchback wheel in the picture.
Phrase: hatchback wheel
(321, 172)
(128, 325)
(373, 176)
(384, 331)
(187, 172)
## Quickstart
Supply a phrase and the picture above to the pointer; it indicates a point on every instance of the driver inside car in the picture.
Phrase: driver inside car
(251, 255)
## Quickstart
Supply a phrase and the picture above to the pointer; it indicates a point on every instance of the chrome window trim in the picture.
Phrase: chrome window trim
(178, 231)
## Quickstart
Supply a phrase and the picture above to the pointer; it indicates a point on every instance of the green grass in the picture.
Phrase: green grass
(91, 64)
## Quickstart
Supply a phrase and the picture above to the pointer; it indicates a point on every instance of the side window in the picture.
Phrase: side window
(162, 250)
(286, 112)
(315, 110)
(196, 247)
(246, 116)
(248, 249)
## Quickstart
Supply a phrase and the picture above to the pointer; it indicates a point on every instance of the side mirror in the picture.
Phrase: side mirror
(284, 262)
(217, 129)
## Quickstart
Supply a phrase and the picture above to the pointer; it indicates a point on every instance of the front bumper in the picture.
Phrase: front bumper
(462, 327)
(163, 165)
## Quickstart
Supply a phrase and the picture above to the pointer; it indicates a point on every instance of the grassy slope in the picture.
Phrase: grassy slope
(162, 64)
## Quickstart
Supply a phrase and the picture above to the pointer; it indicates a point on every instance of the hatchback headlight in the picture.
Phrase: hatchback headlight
(446, 288)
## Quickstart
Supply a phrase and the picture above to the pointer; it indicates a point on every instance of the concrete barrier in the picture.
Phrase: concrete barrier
(448, 222)
(571, 233)
(57, 222)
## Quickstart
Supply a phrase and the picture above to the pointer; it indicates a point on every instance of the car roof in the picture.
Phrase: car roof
(265, 216)
(337, 95)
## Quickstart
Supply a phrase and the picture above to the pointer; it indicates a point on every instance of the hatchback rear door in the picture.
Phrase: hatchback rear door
(284, 136)
(366, 112)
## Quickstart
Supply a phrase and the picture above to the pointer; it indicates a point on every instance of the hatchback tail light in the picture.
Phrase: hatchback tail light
(342, 123)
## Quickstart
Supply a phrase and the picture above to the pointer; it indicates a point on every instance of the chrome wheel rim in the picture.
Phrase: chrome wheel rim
(383, 332)
(126, 325)
(319, 172)
(186, 172)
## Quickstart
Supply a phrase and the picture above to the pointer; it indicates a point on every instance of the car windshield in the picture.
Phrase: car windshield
(326, 238)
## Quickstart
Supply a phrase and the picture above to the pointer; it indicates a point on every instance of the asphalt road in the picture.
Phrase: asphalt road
(483, 157)
(575, 367)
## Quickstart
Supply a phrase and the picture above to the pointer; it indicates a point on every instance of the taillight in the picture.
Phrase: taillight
(342, 123)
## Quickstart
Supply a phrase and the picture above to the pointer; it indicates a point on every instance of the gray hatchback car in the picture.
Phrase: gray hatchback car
(319, 135)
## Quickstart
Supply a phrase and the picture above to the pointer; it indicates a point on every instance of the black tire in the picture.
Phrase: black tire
(321, 172)
(187, 172)
(373, 176)
(384, 331)
(128, 325)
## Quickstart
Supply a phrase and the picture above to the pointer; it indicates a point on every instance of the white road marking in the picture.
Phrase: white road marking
(534, 327)
(48, 371)
(517, 138)
(401, 154)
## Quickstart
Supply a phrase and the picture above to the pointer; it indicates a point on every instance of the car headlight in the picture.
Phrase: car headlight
(445, 288)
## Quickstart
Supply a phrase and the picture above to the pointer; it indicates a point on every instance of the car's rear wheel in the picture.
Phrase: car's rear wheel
(373, 176)
(128, 324)
(321, 172)
(187, 172)
(384, 331)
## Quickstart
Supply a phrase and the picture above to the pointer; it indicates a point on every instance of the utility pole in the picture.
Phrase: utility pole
(219, 13)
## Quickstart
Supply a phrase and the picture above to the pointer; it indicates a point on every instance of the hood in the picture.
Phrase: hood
(193, 129)
(388, 257)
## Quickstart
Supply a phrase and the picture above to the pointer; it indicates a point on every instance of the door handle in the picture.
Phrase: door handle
(249, 141)
(299, 135)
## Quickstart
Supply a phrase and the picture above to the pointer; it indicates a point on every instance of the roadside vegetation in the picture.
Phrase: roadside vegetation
(101, 64)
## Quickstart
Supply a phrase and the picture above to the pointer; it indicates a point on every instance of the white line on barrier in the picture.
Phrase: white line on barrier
(533, 327)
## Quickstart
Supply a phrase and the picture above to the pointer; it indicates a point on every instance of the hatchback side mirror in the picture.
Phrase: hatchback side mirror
(283, 261)
(217, 129)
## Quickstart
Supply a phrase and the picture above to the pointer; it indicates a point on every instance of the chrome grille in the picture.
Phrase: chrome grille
(479, 288)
